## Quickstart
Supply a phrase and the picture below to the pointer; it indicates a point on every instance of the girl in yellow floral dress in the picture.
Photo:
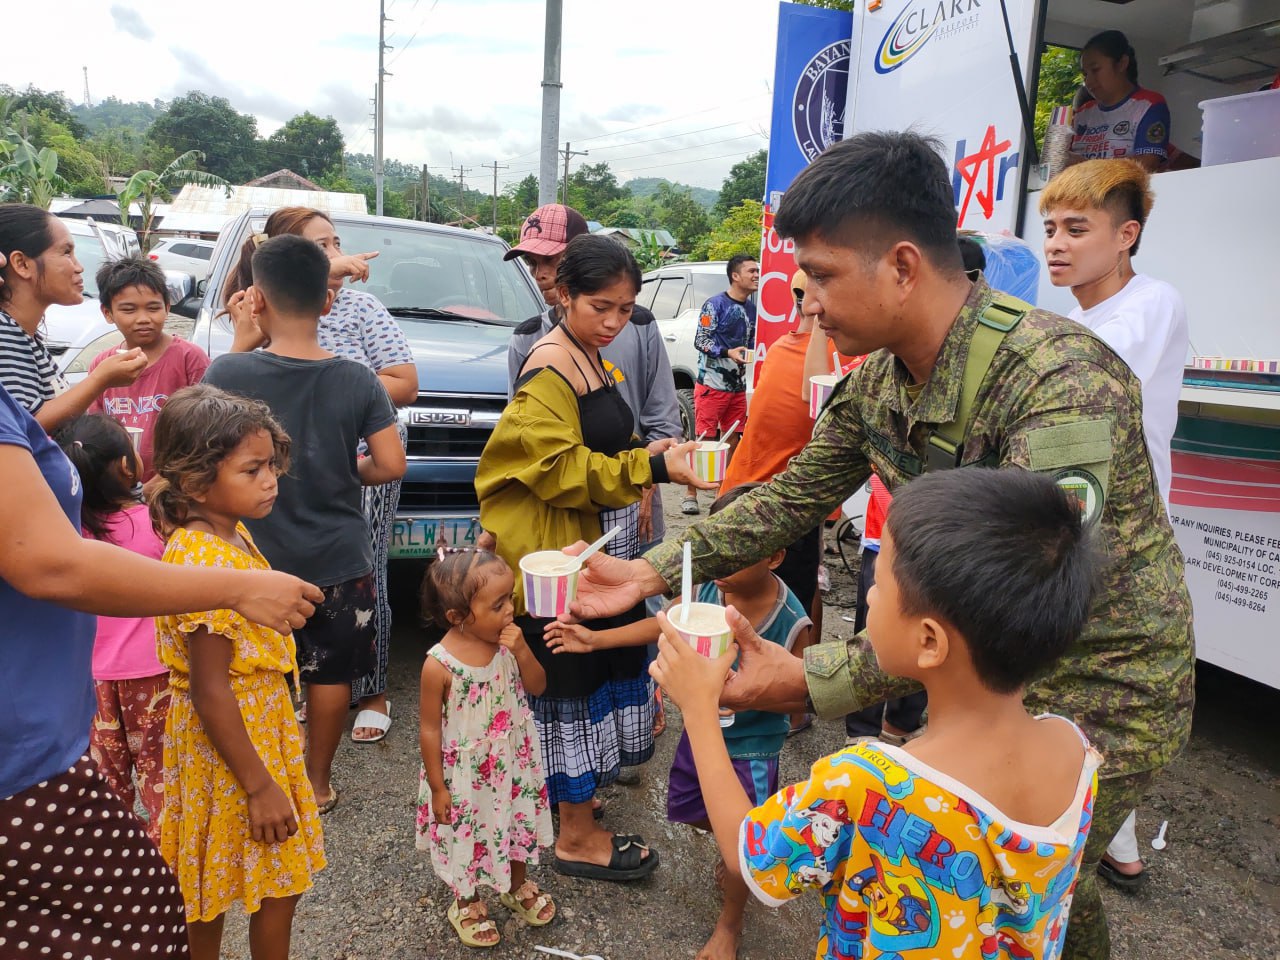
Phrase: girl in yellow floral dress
(240, 820)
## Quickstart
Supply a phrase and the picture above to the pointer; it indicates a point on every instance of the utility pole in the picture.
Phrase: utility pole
(567, 153)
(379, 107)
(550, 103)
(462, 200)
(426, 194)
(496, 168)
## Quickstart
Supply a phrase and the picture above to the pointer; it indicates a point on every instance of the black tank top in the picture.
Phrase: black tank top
(607, 421)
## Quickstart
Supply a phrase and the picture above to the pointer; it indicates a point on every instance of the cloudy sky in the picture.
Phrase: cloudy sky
(663, 88)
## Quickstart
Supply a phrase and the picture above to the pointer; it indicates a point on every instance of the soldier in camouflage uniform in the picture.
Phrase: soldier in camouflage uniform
(1055, 399)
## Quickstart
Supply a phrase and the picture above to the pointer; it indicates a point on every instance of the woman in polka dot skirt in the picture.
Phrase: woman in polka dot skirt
(78, 876)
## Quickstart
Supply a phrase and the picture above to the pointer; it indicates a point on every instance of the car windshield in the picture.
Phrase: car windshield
(90, 253)
(707, 285)
(422, 272)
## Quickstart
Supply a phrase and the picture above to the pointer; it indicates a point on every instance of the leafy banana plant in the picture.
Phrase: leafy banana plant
(146, 187)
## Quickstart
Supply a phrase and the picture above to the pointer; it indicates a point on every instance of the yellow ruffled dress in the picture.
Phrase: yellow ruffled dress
(205, 834)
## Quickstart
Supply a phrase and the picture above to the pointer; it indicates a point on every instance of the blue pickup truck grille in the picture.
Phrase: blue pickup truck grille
(447, 428)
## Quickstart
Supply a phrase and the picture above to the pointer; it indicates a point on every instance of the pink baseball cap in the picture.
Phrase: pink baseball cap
(548, 230)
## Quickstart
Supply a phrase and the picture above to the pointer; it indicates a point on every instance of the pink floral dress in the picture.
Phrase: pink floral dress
(493, 769)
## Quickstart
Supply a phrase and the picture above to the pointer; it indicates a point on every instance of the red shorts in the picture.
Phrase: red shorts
(716, 410)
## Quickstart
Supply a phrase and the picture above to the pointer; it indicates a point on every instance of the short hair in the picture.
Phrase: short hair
(453, 580)
(872, 191)
(1003, 556)
(117, 276)
(293, 274)
(736, 261)
(736, 493)
(592, 262)
(1113, 45)
(1121, 187)
(971, 254)
(196, 430)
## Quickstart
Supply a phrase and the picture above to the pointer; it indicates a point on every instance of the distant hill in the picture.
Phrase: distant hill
(648, 186)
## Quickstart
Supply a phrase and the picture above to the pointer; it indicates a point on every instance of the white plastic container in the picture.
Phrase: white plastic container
(1243, 127)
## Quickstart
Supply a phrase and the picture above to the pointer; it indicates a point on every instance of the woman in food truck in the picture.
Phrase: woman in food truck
(1121, 119)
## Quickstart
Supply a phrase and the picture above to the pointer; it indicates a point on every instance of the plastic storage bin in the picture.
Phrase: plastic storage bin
(1243, 127)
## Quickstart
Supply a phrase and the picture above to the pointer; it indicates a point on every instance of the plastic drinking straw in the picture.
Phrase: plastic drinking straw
(728, 433)
(835, 363)
(686, 583)
(582, 557)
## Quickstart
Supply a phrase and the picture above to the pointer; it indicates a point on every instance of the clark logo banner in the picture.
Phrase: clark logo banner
(941, 67)
(810, 93)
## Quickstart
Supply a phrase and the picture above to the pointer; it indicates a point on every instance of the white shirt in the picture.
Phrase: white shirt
(1146, 324)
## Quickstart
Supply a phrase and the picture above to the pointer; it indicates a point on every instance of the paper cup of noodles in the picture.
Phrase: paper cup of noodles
(708, 460)
(550, 582)
(820, 388)
(706, 630)
(135, 434)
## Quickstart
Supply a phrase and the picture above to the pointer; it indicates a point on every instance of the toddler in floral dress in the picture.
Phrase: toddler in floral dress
(482, 799)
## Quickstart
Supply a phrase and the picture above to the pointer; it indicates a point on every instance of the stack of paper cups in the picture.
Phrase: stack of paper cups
(550, 582)
(820, 390)
(1057, 141)
(708, 460)
(135, 434)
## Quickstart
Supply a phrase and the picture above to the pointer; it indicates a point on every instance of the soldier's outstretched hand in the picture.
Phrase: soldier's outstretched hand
(608, 585)
(768, 676)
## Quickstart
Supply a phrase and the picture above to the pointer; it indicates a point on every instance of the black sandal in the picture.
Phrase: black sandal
(1127, 882)
(627, 862)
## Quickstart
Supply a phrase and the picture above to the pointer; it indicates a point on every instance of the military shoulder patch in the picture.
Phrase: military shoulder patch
(1083, 487)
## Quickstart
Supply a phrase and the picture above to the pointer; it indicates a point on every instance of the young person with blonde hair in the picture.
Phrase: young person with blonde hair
(1094, 214)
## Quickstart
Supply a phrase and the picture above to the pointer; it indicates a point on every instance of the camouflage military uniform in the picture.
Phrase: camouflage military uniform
(1056, 399)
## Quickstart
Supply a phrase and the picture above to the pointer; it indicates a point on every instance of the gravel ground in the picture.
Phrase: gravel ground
(1214, 891)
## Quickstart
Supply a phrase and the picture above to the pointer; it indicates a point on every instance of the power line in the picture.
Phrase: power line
(639, 156)
(567, 153)
(681, 163)
(416, 31)
(643, 126)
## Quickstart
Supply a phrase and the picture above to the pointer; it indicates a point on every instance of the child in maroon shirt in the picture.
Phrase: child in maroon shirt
(134, 298)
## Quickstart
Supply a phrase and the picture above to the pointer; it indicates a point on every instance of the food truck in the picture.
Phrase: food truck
(965, 71)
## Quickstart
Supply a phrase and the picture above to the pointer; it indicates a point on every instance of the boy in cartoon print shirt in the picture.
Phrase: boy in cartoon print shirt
(967, 842)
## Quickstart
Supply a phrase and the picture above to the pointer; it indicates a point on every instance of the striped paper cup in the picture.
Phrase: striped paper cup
(820, 390)
(707, 630)
(135, 434)
(709, 460)
(550, 582)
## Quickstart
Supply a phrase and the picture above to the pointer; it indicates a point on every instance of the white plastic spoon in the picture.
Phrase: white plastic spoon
(582, 557)
(686, 584)
(1159, 842)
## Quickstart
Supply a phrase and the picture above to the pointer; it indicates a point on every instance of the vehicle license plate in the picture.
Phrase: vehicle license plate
(419, 537)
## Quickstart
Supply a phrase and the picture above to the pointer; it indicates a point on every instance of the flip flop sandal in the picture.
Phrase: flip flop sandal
(480, 923)
(329, 804)
(530, 915)
(802, 726)
(626, 862)
(375, 720)
(1127, 882)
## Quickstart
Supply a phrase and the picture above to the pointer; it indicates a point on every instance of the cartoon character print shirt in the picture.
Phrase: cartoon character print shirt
(723, 325)
(1137, 125)
(913, 864)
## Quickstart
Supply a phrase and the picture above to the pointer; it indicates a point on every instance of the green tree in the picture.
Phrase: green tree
(1060, 77)
(146, 187)
(118, 149)
(829, 4)
(627, 217)
(307, 144)
(744, 182)
(524, 195)
(209, 125)
(592, 188)
(53, 104)
(739, 232)
(681, 214)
